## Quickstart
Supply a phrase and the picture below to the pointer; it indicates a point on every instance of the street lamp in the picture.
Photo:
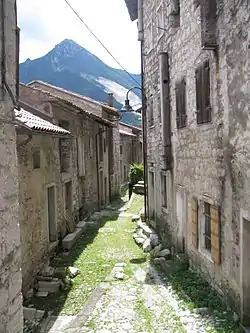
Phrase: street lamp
(127, 108)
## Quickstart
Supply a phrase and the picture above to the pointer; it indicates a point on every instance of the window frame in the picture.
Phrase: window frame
(203, 93)
(201, 228)
(181, 103)
(36, 153)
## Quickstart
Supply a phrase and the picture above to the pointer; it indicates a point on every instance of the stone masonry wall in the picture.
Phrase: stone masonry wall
(11, 317)
(202, 153)
(33, 185)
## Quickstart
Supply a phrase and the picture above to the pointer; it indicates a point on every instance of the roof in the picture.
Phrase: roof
(130, 126)
(32, 122)
(72, 97)
(132, 6)
(62, 98)
(126, 133)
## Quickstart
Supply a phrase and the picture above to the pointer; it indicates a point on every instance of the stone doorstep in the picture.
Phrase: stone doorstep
(70, 239)
(82, 225)
(32, 313)
(49, 286)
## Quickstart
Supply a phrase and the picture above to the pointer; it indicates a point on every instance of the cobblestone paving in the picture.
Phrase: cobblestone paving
(142, 304)
(141, 301)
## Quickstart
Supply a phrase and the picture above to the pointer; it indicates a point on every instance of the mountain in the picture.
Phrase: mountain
(72, 67)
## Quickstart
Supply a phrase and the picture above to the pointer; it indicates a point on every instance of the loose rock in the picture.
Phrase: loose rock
(135, 218)
(164, 253)
(156, 250)
(73, 272)
(154, 239)
(147, 246)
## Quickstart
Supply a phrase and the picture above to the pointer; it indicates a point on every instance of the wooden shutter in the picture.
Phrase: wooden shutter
(195, 238)
(198, 81)
(206, 92)
(215, 235)
(208, 23)
(178, 104)
(183, 104)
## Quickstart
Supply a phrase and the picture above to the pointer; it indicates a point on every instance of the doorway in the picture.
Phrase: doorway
(180, 217)
(245, 272)
(101, 194)
(51, 204)
(68, 204)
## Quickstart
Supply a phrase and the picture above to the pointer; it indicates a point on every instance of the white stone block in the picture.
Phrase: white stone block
(70, 239)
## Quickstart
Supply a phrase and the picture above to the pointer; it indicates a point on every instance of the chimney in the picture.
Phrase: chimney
(110, 99)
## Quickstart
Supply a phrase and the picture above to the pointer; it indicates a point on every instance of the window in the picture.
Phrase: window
(175, 7)
(121, 150)
(164, 190)
(207, 226)
(175, 13)
(104, 145)
(160, 21)
(206, 229)
(180, 95)
(36, 159)
(203, 106)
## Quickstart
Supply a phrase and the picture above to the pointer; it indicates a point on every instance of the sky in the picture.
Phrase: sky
(45, 23)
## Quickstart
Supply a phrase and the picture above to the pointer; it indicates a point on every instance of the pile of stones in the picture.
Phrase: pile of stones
(148, 239)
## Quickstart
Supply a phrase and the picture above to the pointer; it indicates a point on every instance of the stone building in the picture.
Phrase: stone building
(196, 80)
(63, 175)
(130, 149)
(11, 317)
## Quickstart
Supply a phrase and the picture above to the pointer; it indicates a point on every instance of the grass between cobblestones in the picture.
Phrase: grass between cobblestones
(194, 292)
(95, 254)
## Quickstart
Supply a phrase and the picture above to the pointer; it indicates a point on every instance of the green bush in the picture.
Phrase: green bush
(136, 173)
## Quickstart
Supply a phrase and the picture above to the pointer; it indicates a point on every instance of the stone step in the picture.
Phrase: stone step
(69, 240)
(49, 286)
(82, 225)
(139, 189)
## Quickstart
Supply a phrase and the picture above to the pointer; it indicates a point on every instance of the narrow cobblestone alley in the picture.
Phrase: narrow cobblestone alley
(120, 289)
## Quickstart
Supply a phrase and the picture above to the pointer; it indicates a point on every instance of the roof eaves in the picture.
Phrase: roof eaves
(132, 9)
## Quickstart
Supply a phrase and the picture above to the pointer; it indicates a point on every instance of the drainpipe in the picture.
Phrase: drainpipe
(166, 111)
(3, 69)
(144, 108)
(97, 170)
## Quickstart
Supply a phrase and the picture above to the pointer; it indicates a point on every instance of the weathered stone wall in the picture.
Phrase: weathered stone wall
(11, 317)
(202, 153)
(33, 206)
(115, 172)
(125, 156)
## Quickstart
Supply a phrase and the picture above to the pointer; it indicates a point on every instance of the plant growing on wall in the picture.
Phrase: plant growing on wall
(135, 173)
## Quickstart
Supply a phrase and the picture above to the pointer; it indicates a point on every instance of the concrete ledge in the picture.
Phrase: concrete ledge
(70, 239)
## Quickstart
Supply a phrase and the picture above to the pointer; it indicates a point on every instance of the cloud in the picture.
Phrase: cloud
(45, 23)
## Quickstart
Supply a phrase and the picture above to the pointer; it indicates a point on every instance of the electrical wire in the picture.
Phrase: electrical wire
(94, 35)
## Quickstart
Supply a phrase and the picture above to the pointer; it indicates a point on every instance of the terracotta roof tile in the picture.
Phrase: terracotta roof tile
(35, 123)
